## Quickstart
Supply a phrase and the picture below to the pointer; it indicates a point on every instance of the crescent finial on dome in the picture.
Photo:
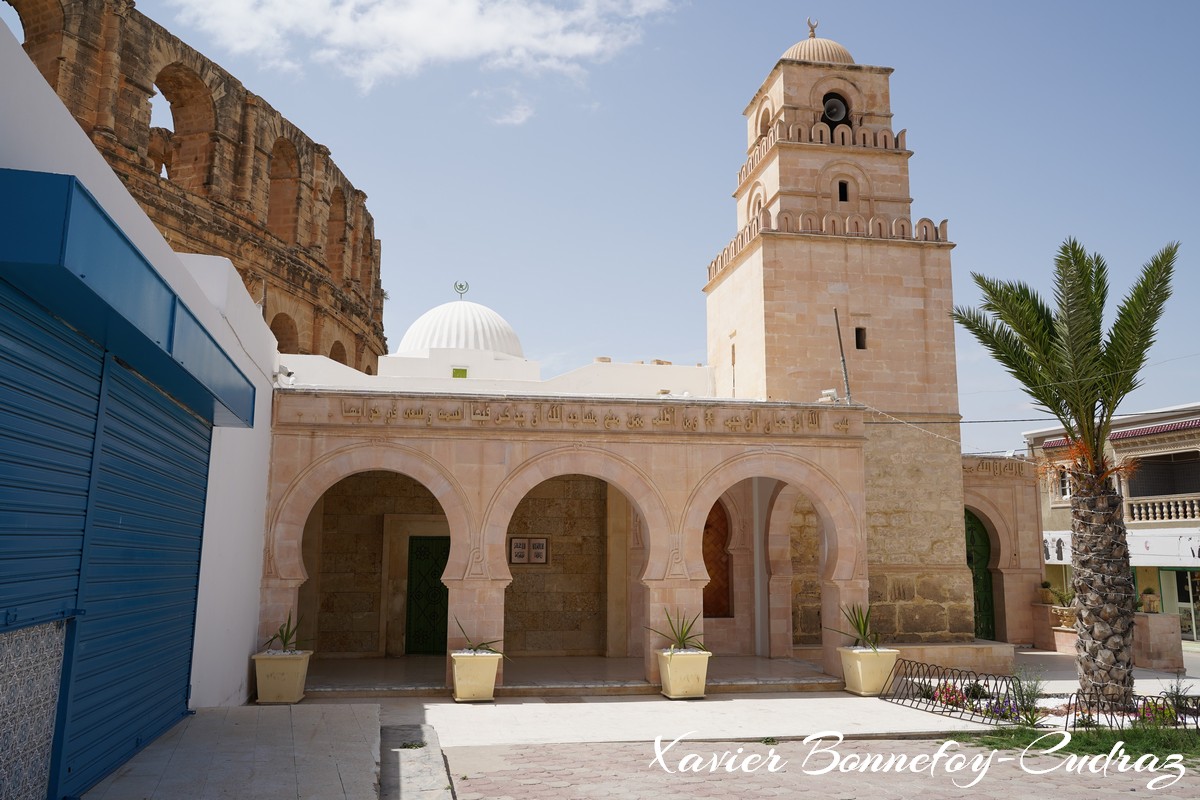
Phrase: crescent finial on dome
(812, 28)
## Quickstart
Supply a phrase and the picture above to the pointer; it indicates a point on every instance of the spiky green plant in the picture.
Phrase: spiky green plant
(285, 636)
(681, 636)
(483, 647)
(860, 627)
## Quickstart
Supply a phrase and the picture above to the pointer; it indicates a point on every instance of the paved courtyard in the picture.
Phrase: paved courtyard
(628, 770)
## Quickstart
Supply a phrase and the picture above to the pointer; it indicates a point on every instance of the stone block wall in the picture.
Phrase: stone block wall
(349, 573)
(559, 608)
(920, 585)
(806, 581)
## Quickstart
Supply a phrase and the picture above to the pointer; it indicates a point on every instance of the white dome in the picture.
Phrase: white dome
(461, 325)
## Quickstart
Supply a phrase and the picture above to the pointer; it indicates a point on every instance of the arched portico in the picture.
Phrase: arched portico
(283, 567)
(668, 462)
(1002, 493)
(838, 504)
(478, 573)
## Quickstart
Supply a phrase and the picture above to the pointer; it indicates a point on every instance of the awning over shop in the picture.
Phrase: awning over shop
(1148, 547)
(1165, 547)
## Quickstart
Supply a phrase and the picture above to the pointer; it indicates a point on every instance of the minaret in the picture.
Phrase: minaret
(825, 222)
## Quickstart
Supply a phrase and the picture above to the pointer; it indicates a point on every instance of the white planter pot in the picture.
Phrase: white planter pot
(865, 670)
(683, 672)
(281, 676)
(475, 675)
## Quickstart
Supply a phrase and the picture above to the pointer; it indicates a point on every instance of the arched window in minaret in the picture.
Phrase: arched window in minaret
(755, 204)
(764, 121)
(835, 110)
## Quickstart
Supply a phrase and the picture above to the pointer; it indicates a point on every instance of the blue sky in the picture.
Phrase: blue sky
(574, 160)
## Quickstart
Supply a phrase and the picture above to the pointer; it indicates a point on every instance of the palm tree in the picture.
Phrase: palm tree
(1070, 367)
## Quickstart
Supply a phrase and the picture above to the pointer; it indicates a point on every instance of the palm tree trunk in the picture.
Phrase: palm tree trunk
(1104, 593)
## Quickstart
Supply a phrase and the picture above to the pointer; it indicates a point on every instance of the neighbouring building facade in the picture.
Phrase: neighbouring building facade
(1162, 505)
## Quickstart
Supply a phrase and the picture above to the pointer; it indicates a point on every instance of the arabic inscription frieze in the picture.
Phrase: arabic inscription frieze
(586, 417)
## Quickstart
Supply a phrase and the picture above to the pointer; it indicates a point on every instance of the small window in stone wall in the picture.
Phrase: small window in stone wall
(458, 372)
(843, 192)
(860, 338)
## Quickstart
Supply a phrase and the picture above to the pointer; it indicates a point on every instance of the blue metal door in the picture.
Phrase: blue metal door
(49, 398)
(128, 674)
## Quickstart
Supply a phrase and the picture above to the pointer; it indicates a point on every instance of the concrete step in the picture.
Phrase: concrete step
(808, 683)
(411, 764)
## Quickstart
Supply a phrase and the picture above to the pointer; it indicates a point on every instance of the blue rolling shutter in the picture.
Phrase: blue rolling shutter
(49, 396)
(130, 670)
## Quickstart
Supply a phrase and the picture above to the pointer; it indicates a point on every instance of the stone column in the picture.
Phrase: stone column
(318, 326)
(478, 605)
(115, 12)
(680, 596)
(360, 347)
(834, 595)
(320, 199)
(357, 203)
(277, 598)
(245, 160)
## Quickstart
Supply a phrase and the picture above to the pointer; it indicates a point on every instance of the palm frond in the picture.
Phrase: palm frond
(1062, 357)
(1128, 343)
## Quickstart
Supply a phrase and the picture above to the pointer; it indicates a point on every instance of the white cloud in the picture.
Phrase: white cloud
(504, 106)
(370, 40)
(517, 115)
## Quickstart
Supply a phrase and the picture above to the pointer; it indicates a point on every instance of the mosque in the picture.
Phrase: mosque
(184, 462)
(792, 475)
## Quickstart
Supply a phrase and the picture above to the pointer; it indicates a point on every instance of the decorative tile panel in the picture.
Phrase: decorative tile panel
(31, 662)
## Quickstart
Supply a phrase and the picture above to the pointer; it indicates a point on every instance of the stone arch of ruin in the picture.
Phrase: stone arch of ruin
(104, 59)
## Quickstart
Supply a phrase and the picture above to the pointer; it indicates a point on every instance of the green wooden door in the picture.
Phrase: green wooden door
(979, 552)
(428, 599)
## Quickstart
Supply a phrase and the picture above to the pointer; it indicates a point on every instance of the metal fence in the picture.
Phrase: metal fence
(1168, 710)
(962, 694)
(1011, 700)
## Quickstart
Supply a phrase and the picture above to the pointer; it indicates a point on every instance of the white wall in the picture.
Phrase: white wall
(596, 379)
(235, 515)
(37, 133)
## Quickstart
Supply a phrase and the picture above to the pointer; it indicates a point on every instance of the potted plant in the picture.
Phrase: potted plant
(1064, 608)
(683, 664)
(475, 668)
(865, 665)
(281, 671)
(1150, 600)
(1047, 593)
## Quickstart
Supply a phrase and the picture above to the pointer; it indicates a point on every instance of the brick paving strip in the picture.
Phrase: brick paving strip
(629, 770)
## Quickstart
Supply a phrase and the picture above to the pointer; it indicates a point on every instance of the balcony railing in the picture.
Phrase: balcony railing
(1165, 507)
